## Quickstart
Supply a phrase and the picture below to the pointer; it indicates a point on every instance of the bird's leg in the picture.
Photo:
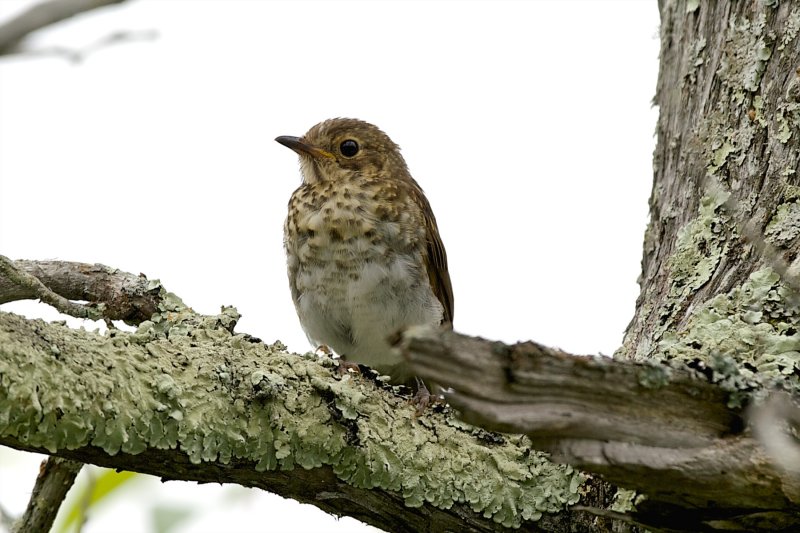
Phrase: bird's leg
(423, 398)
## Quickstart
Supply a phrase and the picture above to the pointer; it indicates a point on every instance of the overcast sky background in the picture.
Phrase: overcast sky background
(528, 124)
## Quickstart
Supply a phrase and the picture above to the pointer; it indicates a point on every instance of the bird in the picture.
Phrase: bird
(364, 255)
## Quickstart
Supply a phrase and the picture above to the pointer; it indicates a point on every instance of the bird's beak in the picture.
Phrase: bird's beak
(303, 148)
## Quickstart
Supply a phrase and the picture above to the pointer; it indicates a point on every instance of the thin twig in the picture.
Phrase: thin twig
(56, 476)
(42, 15)
(78, 55)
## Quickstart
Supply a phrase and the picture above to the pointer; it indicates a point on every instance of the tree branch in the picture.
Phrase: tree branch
(124, 296)
(55, 478)
(77, 55)
(184, 398)
(665, 431)
(42, 15)
(495, 383)
(32, 285)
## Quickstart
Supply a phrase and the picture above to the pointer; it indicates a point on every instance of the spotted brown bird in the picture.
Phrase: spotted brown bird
(363, 250)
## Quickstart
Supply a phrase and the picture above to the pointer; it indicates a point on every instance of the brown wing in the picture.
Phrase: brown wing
(436, 260)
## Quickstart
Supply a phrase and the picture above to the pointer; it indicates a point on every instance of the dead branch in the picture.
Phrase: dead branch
(123, 296)
(666, 432)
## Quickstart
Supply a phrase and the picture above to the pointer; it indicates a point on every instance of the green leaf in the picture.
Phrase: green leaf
(104, 483)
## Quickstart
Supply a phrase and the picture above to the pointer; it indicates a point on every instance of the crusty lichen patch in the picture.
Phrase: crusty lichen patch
(790, 29)
(746, 51)
(727, 131)
(624, 501)
(699, 247)
(784, 226)
(184, 381)
(750, 333)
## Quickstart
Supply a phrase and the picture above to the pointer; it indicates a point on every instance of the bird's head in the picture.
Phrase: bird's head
(346, 148)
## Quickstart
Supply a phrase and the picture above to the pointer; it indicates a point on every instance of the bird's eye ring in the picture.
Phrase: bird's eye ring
(348, 148)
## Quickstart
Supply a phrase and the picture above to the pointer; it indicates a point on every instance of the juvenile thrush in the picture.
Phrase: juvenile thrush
(363, 250)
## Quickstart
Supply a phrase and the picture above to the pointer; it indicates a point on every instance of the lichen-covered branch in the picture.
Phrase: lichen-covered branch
(185, 398)
(55, 478)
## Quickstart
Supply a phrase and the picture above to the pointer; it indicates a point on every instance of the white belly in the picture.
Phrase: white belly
(354, 310)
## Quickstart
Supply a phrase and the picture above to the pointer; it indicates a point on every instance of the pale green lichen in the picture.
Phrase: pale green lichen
(751, 334)
(624, 501)
(186, 382)
(790, 29)
(721, 149)
(747, 49)
(720, 141)
(784, 132)
(654, 376)
(758, 109)
(791, 193)
(699, 246)
(784, 226)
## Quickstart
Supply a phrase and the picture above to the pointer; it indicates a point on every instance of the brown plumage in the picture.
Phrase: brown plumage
(364, 254)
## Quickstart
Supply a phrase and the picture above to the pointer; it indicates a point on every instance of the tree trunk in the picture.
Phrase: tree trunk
(724, 205)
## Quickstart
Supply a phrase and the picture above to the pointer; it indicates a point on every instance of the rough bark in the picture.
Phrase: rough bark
(729, 99)
(533, 389)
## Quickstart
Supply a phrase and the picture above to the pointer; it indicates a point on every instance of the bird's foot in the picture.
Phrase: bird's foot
(423, 398)
(346, 367)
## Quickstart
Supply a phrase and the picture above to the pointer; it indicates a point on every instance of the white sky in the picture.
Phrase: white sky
(528, 124)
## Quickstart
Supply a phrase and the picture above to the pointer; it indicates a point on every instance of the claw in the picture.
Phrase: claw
(323, 350)
(346, 367)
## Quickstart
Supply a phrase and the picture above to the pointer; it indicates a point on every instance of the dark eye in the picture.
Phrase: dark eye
(349, 148)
